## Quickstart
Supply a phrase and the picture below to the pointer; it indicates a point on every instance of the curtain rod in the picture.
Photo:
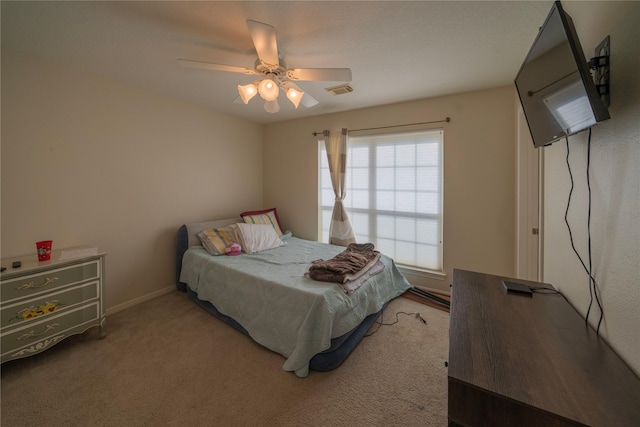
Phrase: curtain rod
(447, 120)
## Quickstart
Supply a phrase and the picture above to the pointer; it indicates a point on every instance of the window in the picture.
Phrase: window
(394, 195)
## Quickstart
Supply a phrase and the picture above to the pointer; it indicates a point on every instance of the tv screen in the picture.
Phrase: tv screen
(556, 89)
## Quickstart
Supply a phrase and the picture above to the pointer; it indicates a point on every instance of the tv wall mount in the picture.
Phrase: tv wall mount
(599, 64)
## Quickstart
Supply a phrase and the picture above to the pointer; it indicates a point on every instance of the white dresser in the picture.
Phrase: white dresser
(43, 302)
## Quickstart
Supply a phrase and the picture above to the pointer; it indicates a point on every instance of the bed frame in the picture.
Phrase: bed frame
(327, 360)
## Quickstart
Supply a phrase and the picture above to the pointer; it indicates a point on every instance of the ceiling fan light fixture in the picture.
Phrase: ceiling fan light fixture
(295, 96)
(272, 106)
(272, 73)
(268, 90)
(247, 92)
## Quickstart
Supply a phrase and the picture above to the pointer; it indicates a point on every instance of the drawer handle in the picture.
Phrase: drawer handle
(32, 333)
(30, 285)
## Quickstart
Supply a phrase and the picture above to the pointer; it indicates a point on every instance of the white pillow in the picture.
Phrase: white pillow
(258, 237)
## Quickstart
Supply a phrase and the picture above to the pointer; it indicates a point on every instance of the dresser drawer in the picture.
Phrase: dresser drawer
(34, 309)
(43, 282)
(34, 337)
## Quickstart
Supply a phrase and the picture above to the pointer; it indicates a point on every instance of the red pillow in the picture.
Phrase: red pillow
(264, 212)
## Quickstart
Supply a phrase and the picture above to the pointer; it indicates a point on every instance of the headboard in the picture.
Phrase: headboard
(188, 236)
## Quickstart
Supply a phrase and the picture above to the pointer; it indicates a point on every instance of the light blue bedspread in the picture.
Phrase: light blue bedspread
(288, 313)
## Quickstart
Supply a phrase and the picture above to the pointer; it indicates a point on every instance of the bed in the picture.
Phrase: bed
(313, 324)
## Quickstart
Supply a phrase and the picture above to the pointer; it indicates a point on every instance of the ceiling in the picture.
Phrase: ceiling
(397, 51)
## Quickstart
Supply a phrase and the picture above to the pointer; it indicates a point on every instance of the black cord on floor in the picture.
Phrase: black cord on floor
(381, 322)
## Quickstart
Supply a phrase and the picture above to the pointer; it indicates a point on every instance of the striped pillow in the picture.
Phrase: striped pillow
(215, 240)
(268, 216)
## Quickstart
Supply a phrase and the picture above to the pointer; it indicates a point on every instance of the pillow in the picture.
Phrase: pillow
(194, 228)
(267, 216)
(216, 240)
(258, 237)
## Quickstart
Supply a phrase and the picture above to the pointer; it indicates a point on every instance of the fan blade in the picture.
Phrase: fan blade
(264, 40)
(308, 101)
(320, 74)
(214, 67)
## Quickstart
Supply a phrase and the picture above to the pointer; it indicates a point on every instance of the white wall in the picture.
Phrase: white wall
(615, 184)
(479, 182)
(89, 161)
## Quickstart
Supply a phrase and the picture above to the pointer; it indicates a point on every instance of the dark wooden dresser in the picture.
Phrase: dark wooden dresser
(517, 360)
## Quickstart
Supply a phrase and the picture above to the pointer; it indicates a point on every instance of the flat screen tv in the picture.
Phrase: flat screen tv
(556, 89)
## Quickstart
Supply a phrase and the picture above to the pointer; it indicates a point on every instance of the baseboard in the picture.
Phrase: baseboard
(140, 300)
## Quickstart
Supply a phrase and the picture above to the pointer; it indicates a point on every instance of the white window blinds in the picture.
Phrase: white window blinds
(394, 195)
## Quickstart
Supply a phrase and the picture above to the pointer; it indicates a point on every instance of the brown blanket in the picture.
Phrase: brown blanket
(348, 265)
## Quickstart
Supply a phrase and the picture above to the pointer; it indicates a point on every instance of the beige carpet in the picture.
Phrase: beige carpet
(169, 363)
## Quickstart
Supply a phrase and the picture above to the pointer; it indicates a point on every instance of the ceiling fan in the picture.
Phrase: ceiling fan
(273, 73)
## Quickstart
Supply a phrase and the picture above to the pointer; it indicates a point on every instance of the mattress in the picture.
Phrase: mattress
(267, 296)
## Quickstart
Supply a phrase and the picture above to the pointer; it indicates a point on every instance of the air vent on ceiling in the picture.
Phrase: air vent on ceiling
(340, 90)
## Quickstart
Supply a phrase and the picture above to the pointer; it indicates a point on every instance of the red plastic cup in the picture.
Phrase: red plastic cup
(44, 250)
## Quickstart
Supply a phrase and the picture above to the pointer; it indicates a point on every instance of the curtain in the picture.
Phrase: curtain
(340, 232)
